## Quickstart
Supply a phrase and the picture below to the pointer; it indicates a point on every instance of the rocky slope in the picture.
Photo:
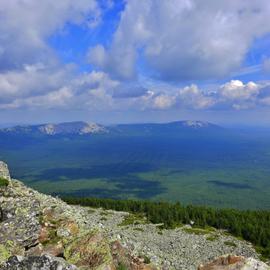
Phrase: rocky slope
(41, 232)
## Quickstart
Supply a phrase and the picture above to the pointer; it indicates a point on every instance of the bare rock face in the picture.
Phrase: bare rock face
(4, 172)
(234, 263)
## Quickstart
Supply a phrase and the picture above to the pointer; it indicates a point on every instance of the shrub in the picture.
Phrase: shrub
(3, 182)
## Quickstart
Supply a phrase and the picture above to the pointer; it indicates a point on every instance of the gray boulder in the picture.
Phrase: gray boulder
(44, 262)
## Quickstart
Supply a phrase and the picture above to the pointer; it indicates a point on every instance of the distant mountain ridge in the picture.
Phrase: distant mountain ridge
(65, 128)
(171, 128)
(84, 128)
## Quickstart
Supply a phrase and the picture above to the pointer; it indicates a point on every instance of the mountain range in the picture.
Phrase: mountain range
(84, 128)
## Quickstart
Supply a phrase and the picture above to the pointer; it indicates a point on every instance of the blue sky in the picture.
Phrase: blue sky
(135, 61)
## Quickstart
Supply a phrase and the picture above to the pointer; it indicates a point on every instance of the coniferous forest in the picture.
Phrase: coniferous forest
(251, 225)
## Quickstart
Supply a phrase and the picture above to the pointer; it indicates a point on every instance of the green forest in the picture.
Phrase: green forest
(224, 171)
(250, 225)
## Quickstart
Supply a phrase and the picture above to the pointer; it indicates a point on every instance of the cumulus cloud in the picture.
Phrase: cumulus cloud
(25, 26)
(58, 98)
(31, 80)
(194, 97)
(35, 86)
(189, 39)
(237, 90)
(119, 62)
(234, 95)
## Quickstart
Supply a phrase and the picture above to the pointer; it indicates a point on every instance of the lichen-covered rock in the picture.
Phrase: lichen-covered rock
(234, 263)
(20, 222)
(89, 251)
(4, 172)
(44, 262)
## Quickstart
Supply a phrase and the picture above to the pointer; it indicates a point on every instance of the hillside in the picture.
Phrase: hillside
(45, 233)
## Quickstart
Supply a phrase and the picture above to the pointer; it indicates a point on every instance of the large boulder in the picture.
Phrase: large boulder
(20, 221)
(234, 263)
(44, 262)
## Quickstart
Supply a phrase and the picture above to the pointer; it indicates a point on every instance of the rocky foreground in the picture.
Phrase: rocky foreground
(38, 231)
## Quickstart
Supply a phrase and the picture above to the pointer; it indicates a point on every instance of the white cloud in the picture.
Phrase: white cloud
(37, 87)
(54, 99)
(236, 89)
(32, 80)
(174, 39)
(25, 26)
(119, 62)
(190, 39)
(30, 72)
(194, 97)
(163, 101)
(33, 88)
(234, 95)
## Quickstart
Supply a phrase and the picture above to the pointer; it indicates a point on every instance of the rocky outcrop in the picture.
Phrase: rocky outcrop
(38, 231)
(234, 263)
(4, 172)
(41, 232)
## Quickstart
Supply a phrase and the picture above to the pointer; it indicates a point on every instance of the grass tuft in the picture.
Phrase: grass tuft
(133, 219)
(230, 243)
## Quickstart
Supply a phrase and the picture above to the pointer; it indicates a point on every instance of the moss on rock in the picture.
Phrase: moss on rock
(9, 249)
(4, 254)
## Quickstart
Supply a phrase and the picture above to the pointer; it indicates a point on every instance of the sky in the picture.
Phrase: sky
(131, 61)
